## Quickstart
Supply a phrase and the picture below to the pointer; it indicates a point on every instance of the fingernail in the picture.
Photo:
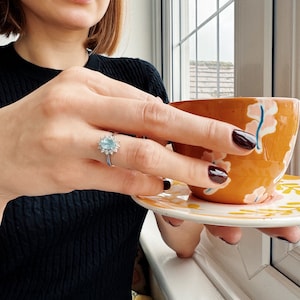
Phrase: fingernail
(244, 139)
(285, 240)
(167, 185)
(231, 244)
(282, 239)
(173, 225)
(217, 175)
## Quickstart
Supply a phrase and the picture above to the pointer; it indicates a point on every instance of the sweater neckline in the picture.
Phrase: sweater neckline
(36, 71)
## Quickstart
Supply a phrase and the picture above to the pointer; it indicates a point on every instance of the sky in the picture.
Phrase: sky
(207, 36)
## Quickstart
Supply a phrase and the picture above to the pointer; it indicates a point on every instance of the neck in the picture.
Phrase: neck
(50, 52)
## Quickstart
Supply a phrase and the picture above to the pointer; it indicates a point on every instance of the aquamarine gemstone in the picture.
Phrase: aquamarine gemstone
(108, 145)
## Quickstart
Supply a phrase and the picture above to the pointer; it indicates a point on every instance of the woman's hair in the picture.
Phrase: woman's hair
(103, 37)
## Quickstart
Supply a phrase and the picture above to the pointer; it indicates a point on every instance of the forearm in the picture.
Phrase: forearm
(183, 239)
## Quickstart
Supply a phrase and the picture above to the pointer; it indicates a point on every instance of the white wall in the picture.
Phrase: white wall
(137, 37)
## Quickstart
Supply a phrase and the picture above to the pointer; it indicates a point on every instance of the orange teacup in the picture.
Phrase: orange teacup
(252, 178)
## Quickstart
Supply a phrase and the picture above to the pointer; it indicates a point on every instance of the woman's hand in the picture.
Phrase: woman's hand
(231, 235)
(49, 139)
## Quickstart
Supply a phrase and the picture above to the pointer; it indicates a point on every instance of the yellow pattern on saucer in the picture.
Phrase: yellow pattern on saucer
(178, 202)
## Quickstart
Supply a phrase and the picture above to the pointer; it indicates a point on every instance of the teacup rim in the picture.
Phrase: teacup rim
(293, 99)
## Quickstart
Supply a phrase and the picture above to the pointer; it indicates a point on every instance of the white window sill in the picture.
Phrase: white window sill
(216, 271)
(177, 278)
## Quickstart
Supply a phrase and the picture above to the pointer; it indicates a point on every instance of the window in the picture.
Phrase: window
(216, 48)
(202, 50)
(285, 257)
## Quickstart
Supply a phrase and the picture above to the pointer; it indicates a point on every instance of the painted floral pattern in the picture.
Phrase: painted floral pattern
(264, 122)
(259, 195)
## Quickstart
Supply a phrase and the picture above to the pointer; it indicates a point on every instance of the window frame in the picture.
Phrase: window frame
(286, 82)
(251, 259)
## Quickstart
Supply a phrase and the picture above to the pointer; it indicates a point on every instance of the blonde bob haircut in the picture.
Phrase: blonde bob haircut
(103, 37)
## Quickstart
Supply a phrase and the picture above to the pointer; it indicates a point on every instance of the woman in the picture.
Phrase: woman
(69, 229)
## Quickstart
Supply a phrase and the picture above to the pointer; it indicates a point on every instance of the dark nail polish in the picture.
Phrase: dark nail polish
(167, 185)
(244, 139)
(217, 175)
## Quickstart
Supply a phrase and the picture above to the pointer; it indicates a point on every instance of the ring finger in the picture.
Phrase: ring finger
(149, 157)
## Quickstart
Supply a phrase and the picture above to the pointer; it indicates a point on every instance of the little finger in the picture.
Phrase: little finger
(99, 176)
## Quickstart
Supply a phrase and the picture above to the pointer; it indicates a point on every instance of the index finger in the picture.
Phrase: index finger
(160, 121)
(111, 106)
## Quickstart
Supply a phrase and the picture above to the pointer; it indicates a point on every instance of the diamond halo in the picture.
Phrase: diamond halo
(108, 145)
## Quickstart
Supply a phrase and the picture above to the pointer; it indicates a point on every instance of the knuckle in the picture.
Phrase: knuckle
(66, 176)
(50, 140)
(131, 183)
(56, 102)
(73, 73)
(58, 97)
(146, 155)
(64, 181)
(55, 141)
(137, 183)
(60, 178)
(193, 172)
(212, 129)
(156, 115)
(141, 95)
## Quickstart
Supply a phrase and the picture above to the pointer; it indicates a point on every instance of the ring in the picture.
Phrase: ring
(108, 145)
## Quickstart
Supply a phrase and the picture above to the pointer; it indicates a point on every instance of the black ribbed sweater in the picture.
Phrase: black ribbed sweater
(79, 245)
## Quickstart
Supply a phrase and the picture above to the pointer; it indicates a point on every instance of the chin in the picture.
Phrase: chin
(80, 17)
(77, 21)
